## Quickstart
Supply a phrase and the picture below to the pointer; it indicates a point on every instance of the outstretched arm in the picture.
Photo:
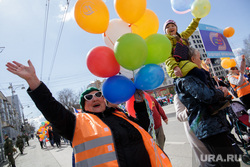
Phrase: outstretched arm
(26, 72)
(62, 119)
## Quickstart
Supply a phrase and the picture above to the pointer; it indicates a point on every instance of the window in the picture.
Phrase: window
(194, 41)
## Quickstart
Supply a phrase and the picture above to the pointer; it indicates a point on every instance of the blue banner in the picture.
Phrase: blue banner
(215, 43)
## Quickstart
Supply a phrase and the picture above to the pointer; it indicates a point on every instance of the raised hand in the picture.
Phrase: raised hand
(26, 72)
(243, 64)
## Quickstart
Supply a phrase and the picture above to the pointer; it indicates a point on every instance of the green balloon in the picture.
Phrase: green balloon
(131, 51)
(159, 48)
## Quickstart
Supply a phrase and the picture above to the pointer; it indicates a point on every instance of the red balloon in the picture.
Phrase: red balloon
(101, 62)
(130, 104)
(247, 68)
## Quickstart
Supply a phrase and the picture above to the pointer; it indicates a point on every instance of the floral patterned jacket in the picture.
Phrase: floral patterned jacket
(199, 100)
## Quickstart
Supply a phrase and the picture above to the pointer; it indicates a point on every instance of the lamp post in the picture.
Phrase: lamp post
(14, 107)
(13, 88)
(1, 49)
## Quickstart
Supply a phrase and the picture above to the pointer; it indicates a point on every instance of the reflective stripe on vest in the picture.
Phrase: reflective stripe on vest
(243, 86)
(93, 143)
(243, 89)
(101, 159)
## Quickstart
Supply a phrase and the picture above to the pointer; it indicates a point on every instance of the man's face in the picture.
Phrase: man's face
(96, 104)
(197, 58)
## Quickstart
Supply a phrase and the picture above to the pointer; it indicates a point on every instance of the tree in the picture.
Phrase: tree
(69, 99)
(246, 50)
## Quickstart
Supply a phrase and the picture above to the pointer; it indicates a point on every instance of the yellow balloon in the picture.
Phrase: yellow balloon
(92, 16)
(130, 11)
(200, 8)
(147, 25)
(232, 63)
(226, 63)
(225, 58)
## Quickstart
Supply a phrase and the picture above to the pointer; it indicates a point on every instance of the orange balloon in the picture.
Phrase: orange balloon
(226, 63)
(228, 32)
(225, 58)
(232, 63)
(147, 25)
(92, 16)
(130, 11)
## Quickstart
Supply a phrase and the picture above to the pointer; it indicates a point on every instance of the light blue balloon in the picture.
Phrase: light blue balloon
(181, 6)
(149, 77)
(118, 89)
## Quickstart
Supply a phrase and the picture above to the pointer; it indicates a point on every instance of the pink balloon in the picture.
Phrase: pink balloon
(101, 62)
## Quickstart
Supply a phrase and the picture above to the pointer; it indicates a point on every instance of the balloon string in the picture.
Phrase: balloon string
(151, 130)
(105, 35)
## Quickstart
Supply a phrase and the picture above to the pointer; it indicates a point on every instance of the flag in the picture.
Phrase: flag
(215, 42)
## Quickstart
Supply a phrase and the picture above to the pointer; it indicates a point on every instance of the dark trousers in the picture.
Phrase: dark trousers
(41, 144)
(21, 149)
(222, 151)
(11, 160)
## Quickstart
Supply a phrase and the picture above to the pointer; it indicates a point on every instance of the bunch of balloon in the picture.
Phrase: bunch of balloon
(42, 132)
(131, 53)
(200, 8)
(92, 15)
(228, 32)
(129, 11)
(228, 63)
(181, 6)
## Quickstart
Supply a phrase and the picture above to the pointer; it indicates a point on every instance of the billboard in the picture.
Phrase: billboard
(215, 42)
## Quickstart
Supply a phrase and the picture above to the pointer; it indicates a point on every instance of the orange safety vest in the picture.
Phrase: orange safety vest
(242, 89)
(93, 143)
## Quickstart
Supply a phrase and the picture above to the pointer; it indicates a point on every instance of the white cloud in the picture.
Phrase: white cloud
(37, 121)
(237, 52)
(69, 15)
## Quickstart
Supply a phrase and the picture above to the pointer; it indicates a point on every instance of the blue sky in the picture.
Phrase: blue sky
(22, 33)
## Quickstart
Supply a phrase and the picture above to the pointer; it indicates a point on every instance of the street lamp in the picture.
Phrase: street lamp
(1, 49)
(14, 107)
(14, 87)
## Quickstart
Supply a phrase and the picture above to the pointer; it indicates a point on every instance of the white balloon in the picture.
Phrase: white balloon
(116, 29)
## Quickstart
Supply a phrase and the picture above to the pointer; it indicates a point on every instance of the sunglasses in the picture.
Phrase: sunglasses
(234, 68)
(90, 96)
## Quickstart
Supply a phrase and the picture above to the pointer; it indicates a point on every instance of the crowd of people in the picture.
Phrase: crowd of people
(11, 145)
(115, 137)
